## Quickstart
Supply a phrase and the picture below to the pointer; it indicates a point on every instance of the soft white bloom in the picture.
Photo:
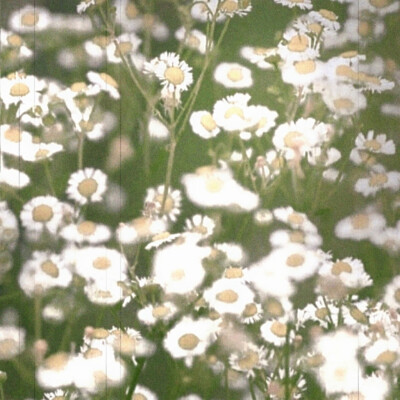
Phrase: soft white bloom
(203, 124)
(233, 75)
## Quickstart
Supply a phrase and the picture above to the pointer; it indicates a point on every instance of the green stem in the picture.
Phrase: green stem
(135, 378)
(252, 393)
(38, 316)
(81, 142)
(48, 176)
(1, 392)
(287, 363)
(168, 175)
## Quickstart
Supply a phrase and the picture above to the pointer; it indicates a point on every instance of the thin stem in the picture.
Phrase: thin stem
(48, 176)
(248, 166)
(38, 315)
(1, 392)
(226, 381)
(287, 363)
(168, 175)
(81, 142)
(135, 378)
(317, 194)
(252, 393)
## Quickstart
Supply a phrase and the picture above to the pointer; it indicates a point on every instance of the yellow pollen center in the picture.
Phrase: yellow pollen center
(214, 184)
(386, 357)
(41, 153)
(193, 41)
(250, 310)
(14, 40)
(109, 80)
(296, 237)
(274, 308)
(178, 274)
(355, 396)
(349, 54)
(330, 15)
(397, 295)
(125, 344)
(86, 228)
(13, 135)
(207, 121)
(279, 329)
(358, 315)
(364, 28)
(227, 296)
(142, 226)
(293, 139)
(305, 67)
(56, 362)
(295, 260)
(86, 125)
(169, 202)
(341, 266)
(174, 75)
(131, 11)
(87, 187)
(379, 3)
(315, 361)
(100, 333)
(360, 221)
(92, 353)
(229, 6)
(50, 269)
(378, 179)
(7, 347)
(123, 48)
(343, 103)
(372, 144)
(235, 74)
(188, 341)
(102, 41)
(19, 89)
(298, 43)
(78, 86)
(249, 361)
(42, 213)
(260, 51)
(138, 396)
(30, 19)
(322, 313)
(315, 27)
(160, 311)
(295, 218)
(234, 110)
(101, 263)
(233, 272)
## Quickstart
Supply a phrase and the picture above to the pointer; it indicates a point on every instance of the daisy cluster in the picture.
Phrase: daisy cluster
(266, 267)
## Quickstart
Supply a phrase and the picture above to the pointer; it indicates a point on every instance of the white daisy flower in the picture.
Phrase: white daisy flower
(9, 230)
(143, 393)
(140, 229)
(175, 75)
(302, 73)
(154, 198)
(42, 213)
(297, 46)
(151, 314)
(56, 371)
(105, 83)
(86, 231)
(157, 130)
(100, 264)
(384, 352)
(40, 151)
(282, 237)
(87, 185)
(212, 187)
(162, 238)
(104, 292)
(379, 8)
(233, 114)
(233, 76)
(294, 219)
(19, 88)
(13, 140)
(374, 387)
(327, 19)
(323, 156)
(15, 44)
(235, 7)
(127, 44)
(257, 55)
(233, 252)
(263, 217)
(392, 293)
(42, 272)
(178, 268)
(349, 270)
(264, 120)
(203, 124)
(375, 144)
(190, 338)
(85, 4)
(193, 39)
(388, 239)
(30, 18)
(60, 394)
(200, 224)
(252, 313)
(361, 225)
(13, 177)
(205, 12)
(275, 332)
(248, 359)
(296, 138)
(12, 341)
(228, 296)
(302, 4)
(377, 180)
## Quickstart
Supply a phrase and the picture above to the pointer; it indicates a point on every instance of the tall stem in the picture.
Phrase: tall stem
(168, 175)
(38, 315)
(135, 378)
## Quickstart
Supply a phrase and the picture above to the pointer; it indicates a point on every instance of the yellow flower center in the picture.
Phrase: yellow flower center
(293, 139)
(56, 362)
(142, 225)
(131, 11)
(297, 237)
(397, 295)
(109, 80)
(86, 228)
(249, 361)
(229, 6)
(41, 153)
(14, 40)
(42, 213)
(102, 41)
(315, 27)
(178, 274)
(87, 187)
(227, 296)
(387, 357)
(341, 266)
(92, 353)
(160, 311)
(360, 221)
(274, 308)
(30, 19)
(295, 218)
(358, 315)
(279, 329)
(349, 54)
(372, 144)
(322, 313)
(379, 3)
(7, 347)
(13, 135)
(295, 260)
(138, 396)
(174, 75)
(364, 28)
(250, 310)
(235, 74)
(78, 86)
(188, 341)
(19, 89)
(330, 15)
(123, 48)
(315, 361)
(207, 121)
(298, 43)
(378, 180)
(343, 103)
(233, 272)
(214, 184)
(100, 333)
(101, 263)
(234, 110)
(50, 269)
(305, 67)
(169, 202)
(193, 41)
